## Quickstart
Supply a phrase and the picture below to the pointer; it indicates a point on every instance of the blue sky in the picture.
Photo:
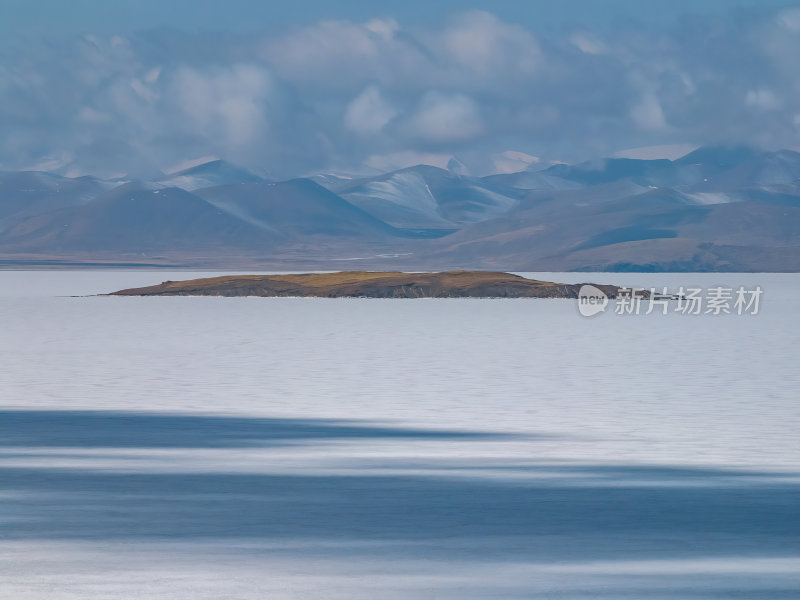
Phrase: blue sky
(293, 88)
(56, 17)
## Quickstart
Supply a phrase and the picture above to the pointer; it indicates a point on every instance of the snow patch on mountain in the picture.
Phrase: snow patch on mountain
(405, 189)
(211, 174)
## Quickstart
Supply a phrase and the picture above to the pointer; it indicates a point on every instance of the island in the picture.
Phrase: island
(368, 284)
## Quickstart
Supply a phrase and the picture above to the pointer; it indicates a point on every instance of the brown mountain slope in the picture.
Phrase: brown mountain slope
(364, 284)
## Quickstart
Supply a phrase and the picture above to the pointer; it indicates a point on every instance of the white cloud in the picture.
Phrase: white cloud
(368, 112)
(790, 19)
(152, 75)
(473, 47)
(50, 163)
(512, 161)
(446, 118)
(647, 114)
(385, 28)
(291, 102)
(762, 98)
(325, 42)
(230, 103)
(588, 43)
(90, 115)
(484, 44)
(343, 54)
(143, 90)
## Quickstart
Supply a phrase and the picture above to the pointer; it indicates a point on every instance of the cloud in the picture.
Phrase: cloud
(443, 118)
(648, 114)
(483, 44)
(368, 112)
(790, 19)
(230, 104)
(588, 43)
(343, 55)
(511, 161)
(344, 94)
(762, 98)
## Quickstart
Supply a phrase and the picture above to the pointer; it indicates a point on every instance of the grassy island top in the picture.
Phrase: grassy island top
(369, 284)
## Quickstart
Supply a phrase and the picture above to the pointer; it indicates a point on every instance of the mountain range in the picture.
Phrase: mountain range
(715, 209)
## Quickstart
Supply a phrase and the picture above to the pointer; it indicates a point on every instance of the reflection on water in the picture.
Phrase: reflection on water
(284, 448)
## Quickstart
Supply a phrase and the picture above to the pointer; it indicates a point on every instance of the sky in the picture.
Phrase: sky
(294, 88)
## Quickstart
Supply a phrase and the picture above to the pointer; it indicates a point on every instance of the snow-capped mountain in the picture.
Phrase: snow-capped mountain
(426, 197)
(210, 174)
(714, 209)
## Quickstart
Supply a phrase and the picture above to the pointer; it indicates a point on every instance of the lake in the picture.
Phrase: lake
(177, 447)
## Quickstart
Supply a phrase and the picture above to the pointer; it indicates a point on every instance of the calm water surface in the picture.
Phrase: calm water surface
(302, 448)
